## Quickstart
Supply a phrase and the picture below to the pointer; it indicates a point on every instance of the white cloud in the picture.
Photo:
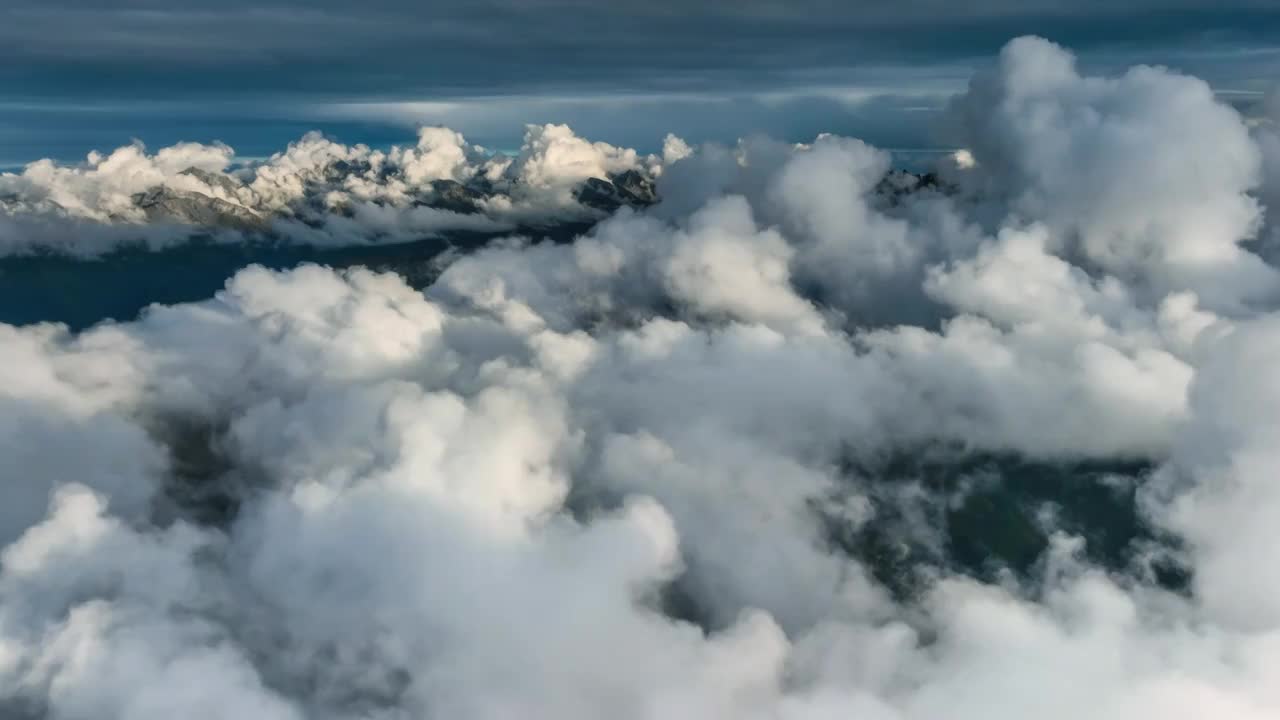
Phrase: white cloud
(626, 475)
(317, 191)
(1109, 165)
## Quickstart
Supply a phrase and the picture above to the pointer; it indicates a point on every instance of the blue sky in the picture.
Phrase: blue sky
(78, 75)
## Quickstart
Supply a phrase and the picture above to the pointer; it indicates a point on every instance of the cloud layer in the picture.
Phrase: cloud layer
(317, 192)
(239, 49)
(641, 473)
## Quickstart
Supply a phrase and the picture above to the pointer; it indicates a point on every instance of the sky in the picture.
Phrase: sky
(78, 75)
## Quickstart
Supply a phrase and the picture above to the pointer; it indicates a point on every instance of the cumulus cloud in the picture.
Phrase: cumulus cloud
(317, 191)
(103, 189)
(646, 472)
(553, 161)
(1108, 164)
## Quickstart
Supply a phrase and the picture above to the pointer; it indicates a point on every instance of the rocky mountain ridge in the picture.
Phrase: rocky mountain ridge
(631, 188)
